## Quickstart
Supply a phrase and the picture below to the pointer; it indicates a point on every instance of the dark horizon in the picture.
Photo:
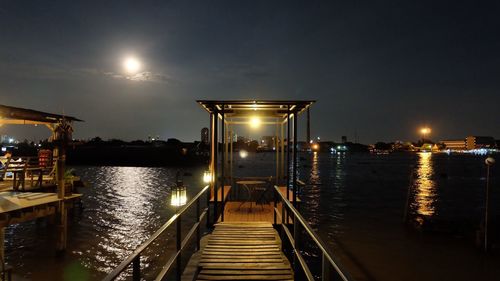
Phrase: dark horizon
(379, 71)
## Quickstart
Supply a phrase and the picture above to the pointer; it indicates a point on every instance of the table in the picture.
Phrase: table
(250, 186)
(20, 177)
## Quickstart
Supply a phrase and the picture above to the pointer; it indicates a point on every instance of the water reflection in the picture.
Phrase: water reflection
(424, 186)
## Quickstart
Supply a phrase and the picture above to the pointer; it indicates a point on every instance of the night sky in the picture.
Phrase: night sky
(379, 70)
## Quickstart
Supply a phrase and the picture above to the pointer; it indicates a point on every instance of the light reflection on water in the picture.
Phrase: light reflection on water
(424, 187)
(123, 206)
(354, 201)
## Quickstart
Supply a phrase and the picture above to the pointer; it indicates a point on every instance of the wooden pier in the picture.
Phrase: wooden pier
(244, 251)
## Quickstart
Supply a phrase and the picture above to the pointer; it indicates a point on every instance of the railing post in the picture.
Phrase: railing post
(325, 268)
(275, 205)
(198, 227)
(178, 247)
(136, 269)
(296, 238)
(208, 208)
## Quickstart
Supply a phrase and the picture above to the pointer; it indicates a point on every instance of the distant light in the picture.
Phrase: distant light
(319, 138)
(489, 161)
(315, 146)
(243, 153)
(255, 122)
(425, 130)
(132, 65)
(11, 140)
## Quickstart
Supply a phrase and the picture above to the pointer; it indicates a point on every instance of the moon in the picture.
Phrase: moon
(132, 65)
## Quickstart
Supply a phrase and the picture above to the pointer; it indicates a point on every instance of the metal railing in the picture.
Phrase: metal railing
(135, 257)
(288, 212)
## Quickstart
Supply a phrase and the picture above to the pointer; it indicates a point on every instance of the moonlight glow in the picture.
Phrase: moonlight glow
(132, 65)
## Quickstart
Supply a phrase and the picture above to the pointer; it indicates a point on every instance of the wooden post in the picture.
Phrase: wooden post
(178, 244)
(294, 169)
(276, 148)
(62, 222)
(223, 168)
(2, 246)
(288, 153)
(215, 163)
(282, 153)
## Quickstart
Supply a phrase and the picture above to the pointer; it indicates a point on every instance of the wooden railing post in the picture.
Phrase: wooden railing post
(198, 236)
(325, 269)
(136, 269)
(275, 205)
(208, 208)
(178, 241)
(296, 238)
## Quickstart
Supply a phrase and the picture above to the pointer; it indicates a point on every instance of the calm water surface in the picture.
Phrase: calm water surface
(356, 203)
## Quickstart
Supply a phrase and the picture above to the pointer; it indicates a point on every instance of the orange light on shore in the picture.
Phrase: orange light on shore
(315, 146)
(425, 131)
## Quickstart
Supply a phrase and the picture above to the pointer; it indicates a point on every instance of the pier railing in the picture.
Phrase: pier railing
(135, 258)
(290, 216)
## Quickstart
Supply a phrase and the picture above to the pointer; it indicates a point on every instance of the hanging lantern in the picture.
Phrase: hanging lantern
(207, 177)
(178, 194)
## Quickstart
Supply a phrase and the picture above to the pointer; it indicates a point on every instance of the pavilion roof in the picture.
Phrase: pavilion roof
(17, 115)
(247, 108)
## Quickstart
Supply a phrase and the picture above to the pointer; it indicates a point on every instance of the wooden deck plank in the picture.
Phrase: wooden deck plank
(244, 251)
(246, 277)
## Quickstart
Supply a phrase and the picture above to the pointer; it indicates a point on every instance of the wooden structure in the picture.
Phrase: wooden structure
(244, 251)
(224, 114)
(17, 207)
(244, 244)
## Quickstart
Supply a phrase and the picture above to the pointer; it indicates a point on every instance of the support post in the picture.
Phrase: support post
(198, 234)
(282, 153)
(2, 248)
(223, 168)
(487, 205)
(288, 153)
(294, 169)
(276, 148)
(178, 241)
(136, 269)
(62, 221)
(214, 164)
(325, 269)
(296, 241)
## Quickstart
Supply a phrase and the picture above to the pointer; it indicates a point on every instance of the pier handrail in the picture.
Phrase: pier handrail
(134, 258)
(327, 257)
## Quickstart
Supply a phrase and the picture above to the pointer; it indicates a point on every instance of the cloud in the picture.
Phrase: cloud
(145, 76)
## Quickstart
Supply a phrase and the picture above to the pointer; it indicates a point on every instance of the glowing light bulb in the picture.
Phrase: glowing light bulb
(255, 122)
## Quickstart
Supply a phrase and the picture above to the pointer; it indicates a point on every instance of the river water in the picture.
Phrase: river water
(356, 202)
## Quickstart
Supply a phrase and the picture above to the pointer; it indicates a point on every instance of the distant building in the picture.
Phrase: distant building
(454, 144)
(204, 135)
(344, 139)
(476, 142)
(267, 142)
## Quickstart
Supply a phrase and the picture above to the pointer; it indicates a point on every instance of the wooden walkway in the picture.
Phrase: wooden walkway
(244, 251)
